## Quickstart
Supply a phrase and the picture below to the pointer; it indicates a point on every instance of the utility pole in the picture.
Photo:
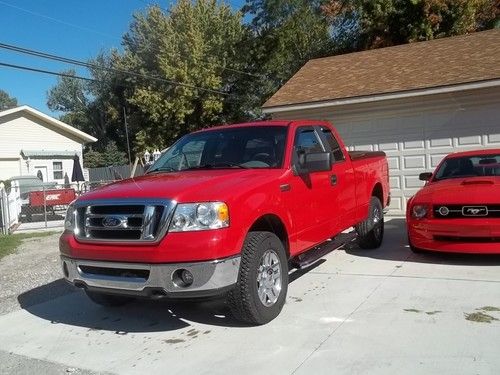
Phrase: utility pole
(126, 134)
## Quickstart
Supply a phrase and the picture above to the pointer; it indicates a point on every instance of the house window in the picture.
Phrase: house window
(58, 170)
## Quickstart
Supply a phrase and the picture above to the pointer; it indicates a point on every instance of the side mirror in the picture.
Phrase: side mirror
(426, 176)
(314, 162)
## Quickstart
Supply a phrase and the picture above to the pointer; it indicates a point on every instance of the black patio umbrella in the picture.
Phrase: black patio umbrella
(77, 174)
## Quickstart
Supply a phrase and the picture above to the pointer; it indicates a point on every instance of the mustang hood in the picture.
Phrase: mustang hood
(472, 190)
(196, 185)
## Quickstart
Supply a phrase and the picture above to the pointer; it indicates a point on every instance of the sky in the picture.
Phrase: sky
(69, 28)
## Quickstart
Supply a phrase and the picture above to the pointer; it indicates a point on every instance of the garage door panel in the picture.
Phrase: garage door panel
(493, 139)
(440, 142)
(474, 140)
(395, 182)
(414, 145)
(412, 182)
(436, 159)
(414, 162)
(397, 204)
(393, 162)
(388, 146)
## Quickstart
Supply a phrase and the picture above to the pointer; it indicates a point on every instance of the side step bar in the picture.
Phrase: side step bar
(309, 257)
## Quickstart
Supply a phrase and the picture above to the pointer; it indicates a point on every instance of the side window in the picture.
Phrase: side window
(333, 144)
(307, 140)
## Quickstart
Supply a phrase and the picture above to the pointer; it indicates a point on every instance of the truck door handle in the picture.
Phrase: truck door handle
(333, 179)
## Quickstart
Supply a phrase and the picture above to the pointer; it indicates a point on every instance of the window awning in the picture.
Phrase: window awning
(47, 154)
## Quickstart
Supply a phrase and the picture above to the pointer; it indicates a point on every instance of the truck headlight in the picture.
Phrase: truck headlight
(199, 216)
(70, 219)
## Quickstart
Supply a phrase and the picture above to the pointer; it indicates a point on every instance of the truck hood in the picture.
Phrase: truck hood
(186, 186)
(472, 190)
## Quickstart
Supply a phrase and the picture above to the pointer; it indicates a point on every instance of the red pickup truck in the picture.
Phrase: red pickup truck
(226, 211)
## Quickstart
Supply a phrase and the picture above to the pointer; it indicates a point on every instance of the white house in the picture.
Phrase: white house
(33, 143)
(417, 102)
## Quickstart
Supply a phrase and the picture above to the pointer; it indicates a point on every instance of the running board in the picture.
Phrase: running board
(309, 257)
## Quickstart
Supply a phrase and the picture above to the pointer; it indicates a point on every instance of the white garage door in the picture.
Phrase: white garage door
(416, 143)
(9, 168)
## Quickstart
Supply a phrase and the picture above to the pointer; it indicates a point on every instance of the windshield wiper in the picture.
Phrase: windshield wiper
(215, 166)
(162, 169)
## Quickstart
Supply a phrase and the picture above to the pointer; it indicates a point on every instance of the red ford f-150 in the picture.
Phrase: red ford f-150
(225, 211)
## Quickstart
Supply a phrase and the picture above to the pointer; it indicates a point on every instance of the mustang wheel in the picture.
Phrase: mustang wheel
(260, 292)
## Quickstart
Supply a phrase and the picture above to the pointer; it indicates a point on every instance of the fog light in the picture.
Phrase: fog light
(187, 277)
(182, 278)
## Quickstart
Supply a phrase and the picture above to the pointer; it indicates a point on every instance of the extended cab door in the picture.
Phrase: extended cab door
(343, 181)
(311, 200)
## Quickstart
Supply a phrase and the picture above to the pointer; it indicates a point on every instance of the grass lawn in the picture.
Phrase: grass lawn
(9, 243)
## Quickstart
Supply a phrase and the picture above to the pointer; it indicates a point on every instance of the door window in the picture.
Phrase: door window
(332, 143)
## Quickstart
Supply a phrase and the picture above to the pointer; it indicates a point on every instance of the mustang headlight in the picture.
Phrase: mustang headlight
(199, 216)
(70, 219)
(419, 211)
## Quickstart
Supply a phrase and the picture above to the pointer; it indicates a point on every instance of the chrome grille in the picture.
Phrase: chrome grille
(123, 221)
(443, 211)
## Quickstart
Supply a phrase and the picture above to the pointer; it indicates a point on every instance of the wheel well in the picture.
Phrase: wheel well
(378, 192)
(272, 223)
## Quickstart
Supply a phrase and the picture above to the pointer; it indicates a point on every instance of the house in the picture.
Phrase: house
(417, 102)
(33, 143)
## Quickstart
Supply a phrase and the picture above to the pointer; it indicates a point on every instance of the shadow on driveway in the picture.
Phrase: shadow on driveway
(72, 307)
(395, 247)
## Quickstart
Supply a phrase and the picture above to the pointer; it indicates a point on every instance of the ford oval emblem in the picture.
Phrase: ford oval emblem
(111, 222)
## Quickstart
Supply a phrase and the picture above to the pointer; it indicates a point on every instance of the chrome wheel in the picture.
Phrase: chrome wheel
(269, 280)
(377, 222)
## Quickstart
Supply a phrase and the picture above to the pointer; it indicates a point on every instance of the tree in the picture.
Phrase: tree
(286, 34)
(6, 101)
(382, 23)
(192, 45)
(111, 156)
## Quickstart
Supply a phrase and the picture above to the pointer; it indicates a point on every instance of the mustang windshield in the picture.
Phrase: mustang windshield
(469, 166)
(248, 147)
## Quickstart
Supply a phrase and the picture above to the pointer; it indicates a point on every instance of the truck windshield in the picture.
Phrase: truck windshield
(469, 166)
(247, 147)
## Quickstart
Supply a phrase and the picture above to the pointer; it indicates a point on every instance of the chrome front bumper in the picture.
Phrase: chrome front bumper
(153, 280)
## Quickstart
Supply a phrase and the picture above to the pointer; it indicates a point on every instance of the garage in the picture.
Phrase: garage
(387, 100)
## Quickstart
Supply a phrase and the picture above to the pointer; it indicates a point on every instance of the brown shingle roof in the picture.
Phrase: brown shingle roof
(440, 62)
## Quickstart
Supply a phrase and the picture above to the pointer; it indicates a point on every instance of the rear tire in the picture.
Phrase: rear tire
(108, 300)
(260, 292)
(371, 231)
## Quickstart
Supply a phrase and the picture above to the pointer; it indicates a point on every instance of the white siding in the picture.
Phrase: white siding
(21, 131)
(417, 133)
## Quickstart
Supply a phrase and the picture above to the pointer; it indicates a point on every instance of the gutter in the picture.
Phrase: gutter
(383, 97)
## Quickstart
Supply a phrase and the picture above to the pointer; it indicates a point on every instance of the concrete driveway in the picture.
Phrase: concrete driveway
(385, 311)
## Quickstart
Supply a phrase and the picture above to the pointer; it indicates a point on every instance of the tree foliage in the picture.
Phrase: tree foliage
(382, 23)
(6, 101)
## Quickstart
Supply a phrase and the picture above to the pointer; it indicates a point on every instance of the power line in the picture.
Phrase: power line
(21, 67)
(111, 36)
(87, 65)
(54, 19)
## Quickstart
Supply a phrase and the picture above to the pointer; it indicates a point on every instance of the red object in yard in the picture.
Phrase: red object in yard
(226, 210)
(50, 198)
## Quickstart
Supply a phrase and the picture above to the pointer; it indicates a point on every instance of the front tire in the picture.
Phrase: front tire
(371, 231)
(260, 292)
(108, 300)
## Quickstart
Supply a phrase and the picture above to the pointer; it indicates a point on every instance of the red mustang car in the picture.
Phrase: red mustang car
(458, 210)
